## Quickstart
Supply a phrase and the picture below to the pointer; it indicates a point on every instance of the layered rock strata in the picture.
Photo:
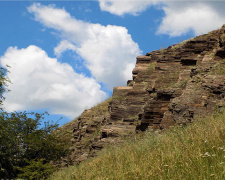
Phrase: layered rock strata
(173, 85)
(169, 86)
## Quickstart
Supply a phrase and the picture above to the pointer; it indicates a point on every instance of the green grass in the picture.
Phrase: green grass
(151, 67)
(196, 151)
(219, 68)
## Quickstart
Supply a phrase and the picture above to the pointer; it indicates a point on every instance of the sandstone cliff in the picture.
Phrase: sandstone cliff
(170, 86)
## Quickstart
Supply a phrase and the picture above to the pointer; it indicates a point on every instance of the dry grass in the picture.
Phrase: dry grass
(193, 152)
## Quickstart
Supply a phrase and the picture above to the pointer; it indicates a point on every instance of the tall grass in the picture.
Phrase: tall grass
(196, 151)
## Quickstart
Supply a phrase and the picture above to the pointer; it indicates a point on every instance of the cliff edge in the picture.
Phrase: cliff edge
(169, 86)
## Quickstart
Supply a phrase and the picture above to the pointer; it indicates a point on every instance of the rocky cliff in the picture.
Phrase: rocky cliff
(170, 86)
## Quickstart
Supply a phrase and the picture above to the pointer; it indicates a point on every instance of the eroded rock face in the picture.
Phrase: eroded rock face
(169, 86)
(174, 85)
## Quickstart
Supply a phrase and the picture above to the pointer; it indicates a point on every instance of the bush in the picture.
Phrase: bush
(23, 144)
(37, 169)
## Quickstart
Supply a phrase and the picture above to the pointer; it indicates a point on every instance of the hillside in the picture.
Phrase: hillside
(170, 86)
(194, 152)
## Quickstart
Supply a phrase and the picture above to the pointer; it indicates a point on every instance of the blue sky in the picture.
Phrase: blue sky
(66, 56)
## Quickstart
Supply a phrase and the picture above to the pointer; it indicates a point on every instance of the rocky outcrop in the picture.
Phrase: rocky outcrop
(169, 86)
(174, 85)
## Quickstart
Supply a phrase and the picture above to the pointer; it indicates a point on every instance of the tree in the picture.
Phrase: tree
(26, 148)
(37, 169)
(3, 83)
(23, 143)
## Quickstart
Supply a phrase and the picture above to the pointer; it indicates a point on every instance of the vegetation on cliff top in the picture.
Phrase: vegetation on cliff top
(193, 152)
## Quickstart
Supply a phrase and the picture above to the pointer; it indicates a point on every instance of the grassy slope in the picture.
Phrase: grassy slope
(193, 152)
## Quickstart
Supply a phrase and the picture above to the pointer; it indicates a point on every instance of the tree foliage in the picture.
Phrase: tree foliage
(3, 83)
(26, 146)
(37, 169)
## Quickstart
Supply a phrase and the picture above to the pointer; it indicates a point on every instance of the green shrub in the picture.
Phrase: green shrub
(24, 143)
(37, 169)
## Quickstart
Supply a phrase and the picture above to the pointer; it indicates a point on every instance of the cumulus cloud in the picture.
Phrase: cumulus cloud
(181, 16)
(197, 16)
(125, 6)
(64, 46)
(109, 51)
(41, 82)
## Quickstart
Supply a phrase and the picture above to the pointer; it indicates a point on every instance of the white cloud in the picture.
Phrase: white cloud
(125, 6)
(109, 51)
(199, 17)
(64, 46)
(40, 82)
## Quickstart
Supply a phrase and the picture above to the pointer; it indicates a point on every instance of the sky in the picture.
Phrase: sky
(66, 56)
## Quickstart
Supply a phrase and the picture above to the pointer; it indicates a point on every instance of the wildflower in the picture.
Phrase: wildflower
(213, 155)
(166, 165)
(222, 163)
(211, 175)
(220, 148)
